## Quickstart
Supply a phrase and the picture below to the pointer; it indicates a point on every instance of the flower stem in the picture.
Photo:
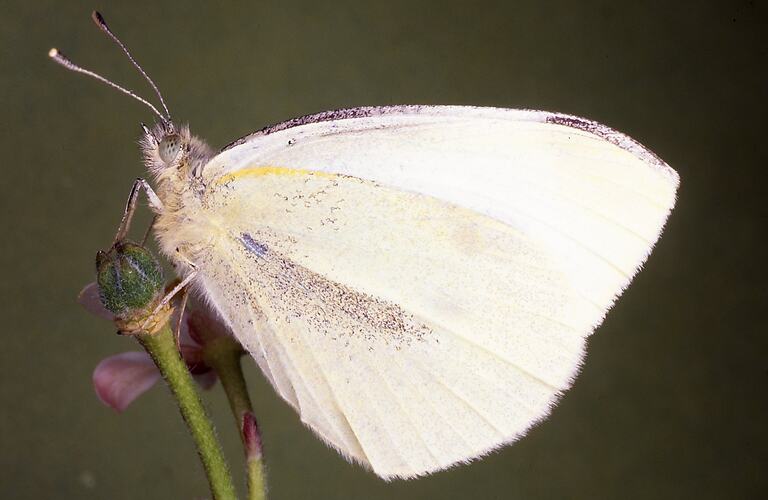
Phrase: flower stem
(162, 348)
(223, 355)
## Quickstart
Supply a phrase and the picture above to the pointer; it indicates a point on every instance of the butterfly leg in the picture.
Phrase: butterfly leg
(148, 231)
(185, 295)
(168, 297)
(177, 333)
(130, 206)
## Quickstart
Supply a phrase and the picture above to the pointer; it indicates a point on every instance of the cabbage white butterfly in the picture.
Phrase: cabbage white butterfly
(418, 282)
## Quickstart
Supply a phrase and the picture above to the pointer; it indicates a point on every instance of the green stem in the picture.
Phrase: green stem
(223, 355)
(162, 348)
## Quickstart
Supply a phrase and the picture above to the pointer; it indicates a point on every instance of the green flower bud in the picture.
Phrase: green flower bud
(129, 278)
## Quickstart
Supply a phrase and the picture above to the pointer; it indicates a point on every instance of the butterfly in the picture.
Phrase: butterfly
(417, 282)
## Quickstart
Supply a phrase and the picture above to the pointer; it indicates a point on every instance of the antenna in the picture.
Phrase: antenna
(102, 24)
(60, 58)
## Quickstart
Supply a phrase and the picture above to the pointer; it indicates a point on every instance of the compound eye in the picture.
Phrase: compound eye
(169, 148)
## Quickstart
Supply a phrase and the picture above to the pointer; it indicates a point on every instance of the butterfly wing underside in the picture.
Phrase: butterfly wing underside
(419, 282)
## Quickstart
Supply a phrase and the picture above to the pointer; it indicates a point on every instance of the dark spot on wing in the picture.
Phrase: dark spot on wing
(253, 246)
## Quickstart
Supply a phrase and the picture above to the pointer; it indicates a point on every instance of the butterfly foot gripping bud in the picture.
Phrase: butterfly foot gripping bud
(130, 282)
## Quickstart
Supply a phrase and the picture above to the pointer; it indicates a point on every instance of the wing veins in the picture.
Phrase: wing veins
(511, 363)
(405, 412)
(459, 397)
(339, 405)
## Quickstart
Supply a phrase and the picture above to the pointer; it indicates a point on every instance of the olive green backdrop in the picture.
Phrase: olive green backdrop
(671, 402)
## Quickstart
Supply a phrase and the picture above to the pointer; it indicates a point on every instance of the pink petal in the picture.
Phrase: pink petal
(205, 380)
(184, 337)
(193, 357)
(205, 325)
(120, 379)
(90, 300)
(203, 374)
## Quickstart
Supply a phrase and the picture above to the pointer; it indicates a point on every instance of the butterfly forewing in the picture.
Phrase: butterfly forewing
(419, 282)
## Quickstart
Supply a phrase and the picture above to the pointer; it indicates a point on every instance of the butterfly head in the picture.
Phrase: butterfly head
(170, 150)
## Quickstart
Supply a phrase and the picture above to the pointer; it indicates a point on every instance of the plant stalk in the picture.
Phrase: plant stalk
(162, 348)
(223, 355)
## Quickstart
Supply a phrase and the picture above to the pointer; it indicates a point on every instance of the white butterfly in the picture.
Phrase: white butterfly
(418, 282)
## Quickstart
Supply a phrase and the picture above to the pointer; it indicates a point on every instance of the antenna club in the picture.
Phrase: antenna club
(53, 53)
(98, 18)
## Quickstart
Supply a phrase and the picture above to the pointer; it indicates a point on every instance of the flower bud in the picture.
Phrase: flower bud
(129, 278)
(251, 436)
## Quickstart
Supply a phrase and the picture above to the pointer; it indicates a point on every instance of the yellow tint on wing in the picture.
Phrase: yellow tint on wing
(269, 170)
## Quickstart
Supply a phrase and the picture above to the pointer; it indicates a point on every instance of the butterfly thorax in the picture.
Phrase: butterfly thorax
(176, 159)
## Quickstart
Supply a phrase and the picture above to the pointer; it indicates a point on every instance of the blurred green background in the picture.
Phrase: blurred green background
(672, 401)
